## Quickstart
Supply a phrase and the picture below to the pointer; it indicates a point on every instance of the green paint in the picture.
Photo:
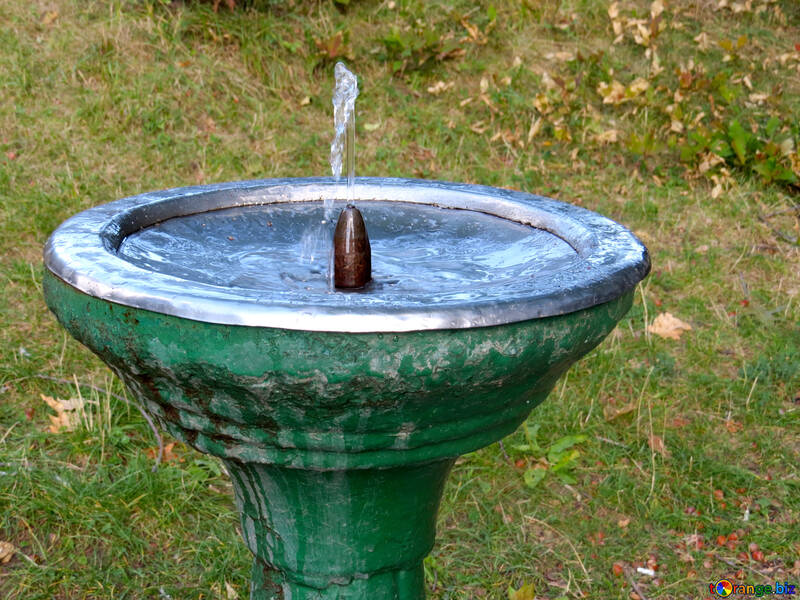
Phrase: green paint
(338, 444)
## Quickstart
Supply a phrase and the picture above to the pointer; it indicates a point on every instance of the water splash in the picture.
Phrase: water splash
(344, 126)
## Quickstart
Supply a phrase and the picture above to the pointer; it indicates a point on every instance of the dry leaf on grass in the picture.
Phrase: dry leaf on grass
(169, 455)
(439, 87)
(616, 93)
(230, 592)
(49, 17)
(610, 412)
(68, 413)
(668, 327)
(7, 550)
(611, 136)
(733, 426)
(656, 443)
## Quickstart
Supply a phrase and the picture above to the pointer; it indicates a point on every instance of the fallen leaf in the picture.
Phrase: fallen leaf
(68, 413)
(616, 93)
(11, 155)
(439, 87)
(668, 327)
(610, 136)
(536, 126)
(656, 8)
(169, 455)
(49, 17)
(623, 523)
(703, 41)
(526, 592)
(335, 46)
(638, 86)
(479, 127)
(733, 426)
(7, 550)
(231, 592)
(305, 101)
(610, 413)
(612, 93)
(561, 56)
(656, 443)
(373, 126)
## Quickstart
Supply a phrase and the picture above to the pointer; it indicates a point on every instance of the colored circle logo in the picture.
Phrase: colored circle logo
(723, 588)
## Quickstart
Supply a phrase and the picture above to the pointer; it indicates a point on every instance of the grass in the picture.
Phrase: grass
(683, 437)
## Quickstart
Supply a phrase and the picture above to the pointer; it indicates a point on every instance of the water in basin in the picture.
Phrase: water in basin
(417, 248)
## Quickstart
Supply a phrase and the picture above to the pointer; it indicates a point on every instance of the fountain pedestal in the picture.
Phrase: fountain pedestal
(339, 415)
(360, 533)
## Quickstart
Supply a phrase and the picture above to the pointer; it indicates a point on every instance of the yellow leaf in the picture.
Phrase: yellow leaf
(542, 104)
(526, 592)
(613, 10)
(612, 93)
(667, 326)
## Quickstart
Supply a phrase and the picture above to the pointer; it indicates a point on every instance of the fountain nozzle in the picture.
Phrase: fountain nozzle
(352, 256)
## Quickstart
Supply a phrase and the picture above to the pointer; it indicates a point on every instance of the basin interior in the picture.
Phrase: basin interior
(257, 253)
(421, 254)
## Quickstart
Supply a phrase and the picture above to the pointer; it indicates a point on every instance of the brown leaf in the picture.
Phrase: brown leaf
(733, 426)
(610, 136)
(656, 443)
(679, 422)
(667, 326)
(49, 17)
(7, 550)
(68, 413)
(334, 47)
(169, 455)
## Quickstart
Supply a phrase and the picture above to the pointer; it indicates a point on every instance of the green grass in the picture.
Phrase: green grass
(104, 100)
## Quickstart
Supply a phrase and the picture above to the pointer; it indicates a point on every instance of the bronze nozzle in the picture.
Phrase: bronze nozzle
(352, 256)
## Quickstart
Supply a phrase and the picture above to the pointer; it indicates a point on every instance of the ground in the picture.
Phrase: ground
(679, 119)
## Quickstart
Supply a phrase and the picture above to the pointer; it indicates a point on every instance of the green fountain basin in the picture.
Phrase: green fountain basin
(339, 415)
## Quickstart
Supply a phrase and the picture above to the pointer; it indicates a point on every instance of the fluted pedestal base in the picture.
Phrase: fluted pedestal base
(359, 534)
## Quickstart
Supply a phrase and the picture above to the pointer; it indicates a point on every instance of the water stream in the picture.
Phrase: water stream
(343, 147)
